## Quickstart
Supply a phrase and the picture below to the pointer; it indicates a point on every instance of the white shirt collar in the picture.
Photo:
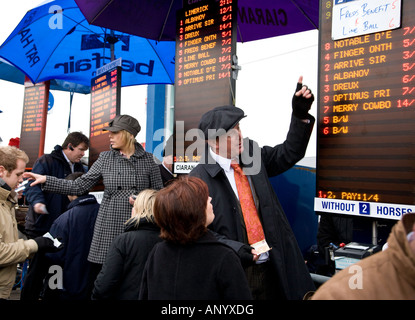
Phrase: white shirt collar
(71, 165)
(225, 163)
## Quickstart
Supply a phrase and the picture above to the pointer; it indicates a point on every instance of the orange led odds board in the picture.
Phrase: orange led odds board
(366, 109)
(105, 105)
(205, 49)
(35, 108)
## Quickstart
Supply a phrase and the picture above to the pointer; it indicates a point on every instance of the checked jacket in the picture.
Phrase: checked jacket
(121, 177)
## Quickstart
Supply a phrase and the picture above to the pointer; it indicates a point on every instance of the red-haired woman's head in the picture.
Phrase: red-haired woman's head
(183, 210)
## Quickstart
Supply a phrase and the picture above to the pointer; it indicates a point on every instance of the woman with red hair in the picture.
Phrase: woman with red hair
(190, 264)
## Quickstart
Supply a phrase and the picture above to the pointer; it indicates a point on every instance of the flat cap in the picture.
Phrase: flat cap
(124, 122)
(224, 117)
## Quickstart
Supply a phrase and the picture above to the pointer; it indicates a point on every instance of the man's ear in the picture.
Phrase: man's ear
(2, 170)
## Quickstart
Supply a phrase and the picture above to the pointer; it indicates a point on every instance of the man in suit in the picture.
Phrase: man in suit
(46, 207)
(246, 208)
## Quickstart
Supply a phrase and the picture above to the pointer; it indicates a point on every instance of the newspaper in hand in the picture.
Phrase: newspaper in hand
(56, 242)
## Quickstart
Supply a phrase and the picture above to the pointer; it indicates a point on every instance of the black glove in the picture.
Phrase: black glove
(244, 253)
(45, 245)
(301, 105)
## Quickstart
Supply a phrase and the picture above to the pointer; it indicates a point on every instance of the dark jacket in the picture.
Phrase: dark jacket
(75, 228)
(53, 164)
(285, 256)
(204, 270)
(120, 276)
(166, 175)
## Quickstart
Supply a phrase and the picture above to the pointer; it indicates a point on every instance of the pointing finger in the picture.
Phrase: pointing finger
(299, 86)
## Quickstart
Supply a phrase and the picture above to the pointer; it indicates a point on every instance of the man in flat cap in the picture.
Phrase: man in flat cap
(247, 211)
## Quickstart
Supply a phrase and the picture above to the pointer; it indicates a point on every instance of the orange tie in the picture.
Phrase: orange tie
(252, 223)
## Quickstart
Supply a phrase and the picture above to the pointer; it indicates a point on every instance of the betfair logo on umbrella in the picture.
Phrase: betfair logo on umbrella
(81, 65)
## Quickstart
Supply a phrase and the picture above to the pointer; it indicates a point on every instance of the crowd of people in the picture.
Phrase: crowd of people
(218, 233)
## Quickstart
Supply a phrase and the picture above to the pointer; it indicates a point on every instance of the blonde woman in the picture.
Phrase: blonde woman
(125, 170)
(120, 277)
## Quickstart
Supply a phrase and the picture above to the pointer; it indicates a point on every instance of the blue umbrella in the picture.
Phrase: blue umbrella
(10, 73)
(54, 41)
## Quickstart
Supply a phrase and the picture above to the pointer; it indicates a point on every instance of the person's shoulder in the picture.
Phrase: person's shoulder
(47, 157)
(202, 169)
(199, 168)
(149, 155)
(363, 275)
(63, 218)
(106, 155)
(211, 241)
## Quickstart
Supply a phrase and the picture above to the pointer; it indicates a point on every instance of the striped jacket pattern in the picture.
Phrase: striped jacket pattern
(121, 178)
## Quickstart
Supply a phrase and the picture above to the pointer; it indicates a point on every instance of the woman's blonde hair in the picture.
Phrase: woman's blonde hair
(128, 140)
(143, 207)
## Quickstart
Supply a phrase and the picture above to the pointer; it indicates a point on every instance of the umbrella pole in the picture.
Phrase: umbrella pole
(112, 46)
(70, 110)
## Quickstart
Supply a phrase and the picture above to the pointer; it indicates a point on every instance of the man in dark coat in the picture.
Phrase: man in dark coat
(281, 272)
(75, 228)
(45, 207)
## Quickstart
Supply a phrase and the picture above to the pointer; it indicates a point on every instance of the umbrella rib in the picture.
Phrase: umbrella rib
(77, 23)
(239, 32)
(172, 80)
(57, 45)
(47, 60)
(80, 24)
(165, 20)
(102, 10)
(303, 12)
(31, 22)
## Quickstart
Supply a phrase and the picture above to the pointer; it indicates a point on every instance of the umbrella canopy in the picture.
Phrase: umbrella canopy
(10, 73)
(157, 19)
(54, 41)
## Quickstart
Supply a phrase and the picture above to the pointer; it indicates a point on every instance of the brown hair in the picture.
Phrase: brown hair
(9, 156)
(180, 210)
(75, 139)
